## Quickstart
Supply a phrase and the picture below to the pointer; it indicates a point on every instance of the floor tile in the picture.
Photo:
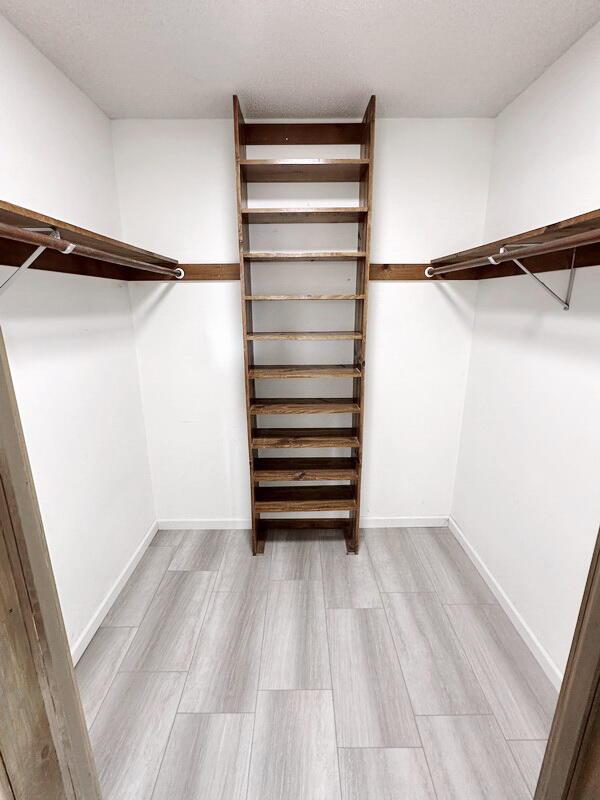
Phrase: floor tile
(130, 733)
(130, 606)
(438, 675)
(207, 758)
(529, 757)
(519, 693)
(395, 561)
(166, 638)
(295, 555)
(240, 571)
(294, 755)
(224, 673)
(470, 760)
(372, 708)
(167, 539)
(349, 580)
(450, 570)
(200, 550)
(385, 774)
(98, 666)
(295, 654)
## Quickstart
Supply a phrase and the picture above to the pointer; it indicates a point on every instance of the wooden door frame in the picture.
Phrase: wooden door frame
(47, 739)
(45, 749)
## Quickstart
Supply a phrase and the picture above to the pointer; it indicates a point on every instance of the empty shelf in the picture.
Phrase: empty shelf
(305, 371)
(295, 170)
(305, 437)
(305, 498)
(321, 255)
(304, 405)
(325, 336)
(305, 469)
(303, 215)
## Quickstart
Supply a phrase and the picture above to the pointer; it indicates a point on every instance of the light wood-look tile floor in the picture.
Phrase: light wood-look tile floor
(307, 674)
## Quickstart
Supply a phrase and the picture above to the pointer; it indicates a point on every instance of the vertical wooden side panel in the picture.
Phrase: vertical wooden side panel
(42, 722)
(245, 289)
(367, 150)
(571, 770)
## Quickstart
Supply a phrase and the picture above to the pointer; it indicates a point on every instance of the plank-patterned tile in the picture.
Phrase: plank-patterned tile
(131, 730)
(295, 555)
(519, 693)
(450, 570)
(98, 666)
(200, 550)
(469, 759)
(166, 638)
(241, 571)
(130, 606)
(295, 654)
(385, 774)
(167, 539)
(437, 672)
(207, 758)
(294, 754)
(223, 676)
(396, 563)
(372, 708)
(349, 580)
(529, 756)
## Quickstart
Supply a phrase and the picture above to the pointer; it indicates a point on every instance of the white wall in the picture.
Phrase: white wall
(176, 183)
(526, 497)
(70, 342)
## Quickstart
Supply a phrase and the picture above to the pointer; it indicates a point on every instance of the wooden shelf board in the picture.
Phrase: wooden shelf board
(325, 336)
(280, 371)
(304, 405)
(296, 170)
(303, 215)
(324, 255)
(305, 437)
(304, 498)
(305, 469)
(304, 297)
(260, 133)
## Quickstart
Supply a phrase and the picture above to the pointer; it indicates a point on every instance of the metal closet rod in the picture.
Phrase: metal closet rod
(523, 249)
(64, 246)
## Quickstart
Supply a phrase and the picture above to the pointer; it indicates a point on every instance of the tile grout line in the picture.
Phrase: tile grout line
(337, 747)
(422, 748)
(262, 644)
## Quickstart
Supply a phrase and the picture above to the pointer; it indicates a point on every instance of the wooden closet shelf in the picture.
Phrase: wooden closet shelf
(260, 133)
(324, 255)
(304, 405)
(305, 469)
(325, 336)
(303, 215)
(305, 498)
(296, 170)
(286, 297)
(305, 437)
(279, 371)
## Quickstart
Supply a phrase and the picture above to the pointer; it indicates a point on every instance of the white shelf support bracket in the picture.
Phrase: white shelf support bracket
(22, 269)
(564, 302)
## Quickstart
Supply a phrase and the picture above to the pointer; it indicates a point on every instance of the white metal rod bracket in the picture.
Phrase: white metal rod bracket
(22, 269)
(564, 302)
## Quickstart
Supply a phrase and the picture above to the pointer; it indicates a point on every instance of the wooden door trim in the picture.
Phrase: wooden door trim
(571, 766)
(54, 732)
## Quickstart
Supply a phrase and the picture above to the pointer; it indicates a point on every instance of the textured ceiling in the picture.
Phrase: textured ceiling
(179, 58)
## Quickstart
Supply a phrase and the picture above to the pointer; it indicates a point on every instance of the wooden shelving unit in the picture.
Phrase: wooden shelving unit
(322, 470)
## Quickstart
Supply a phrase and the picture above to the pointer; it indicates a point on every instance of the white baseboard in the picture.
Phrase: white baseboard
(86, 637)
(530, 639)
(203, 524)
(368, 522)
(404, 522)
